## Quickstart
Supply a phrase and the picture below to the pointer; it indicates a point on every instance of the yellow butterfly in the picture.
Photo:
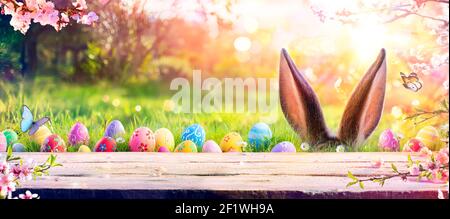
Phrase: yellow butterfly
(411, 82)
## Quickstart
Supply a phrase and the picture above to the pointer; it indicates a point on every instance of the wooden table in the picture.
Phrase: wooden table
(229, 175)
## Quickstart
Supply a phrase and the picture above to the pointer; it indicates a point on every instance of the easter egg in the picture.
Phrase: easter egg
(41, 134)
(196, 134)
(211, 146)
(78, 135)
(84, 148)
(284, 146)
(18, 147)
(3, 142)
(142, 140)
(106, 144)
(53, 143)
(115, 130)
(164, 138)
(163, 149)
(388, 141)
(232, 141)
(11, 136)
(429, 136)
(187, 146)
(260, 136)
(413, 145)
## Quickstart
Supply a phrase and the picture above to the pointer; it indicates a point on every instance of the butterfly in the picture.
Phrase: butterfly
(411, 82)
(28, 124)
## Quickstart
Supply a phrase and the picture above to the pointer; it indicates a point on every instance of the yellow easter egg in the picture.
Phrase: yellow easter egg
(41, 134)
(187, 146)
(429, 136)
(164, 138)
(84, 148)
(232, 142)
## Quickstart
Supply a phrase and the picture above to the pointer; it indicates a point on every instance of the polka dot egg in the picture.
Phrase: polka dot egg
(78, 135)
(187, 146)
(142, 140)
(284, 146)
(53, 143)
(232, 142)
(106, 144)
(196, 134)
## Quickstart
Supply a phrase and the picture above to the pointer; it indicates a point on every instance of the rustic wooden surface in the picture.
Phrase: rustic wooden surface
(230, 175)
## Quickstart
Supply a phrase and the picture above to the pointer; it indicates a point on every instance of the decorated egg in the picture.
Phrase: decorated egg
(429, 136)
(187, 146)
(413, 145)
(388, 141)
(142, 140)
(115, 130)
(232, 141)
(78, 135)
(260, 136)
(11, 136)
(84, 148)
(3, 142)
(164, 138)
(284, 146)
(211, 146)
(53, 143)
(163, 149)
(106, 144)
(41, 134)
(196, 134)
(18, 147)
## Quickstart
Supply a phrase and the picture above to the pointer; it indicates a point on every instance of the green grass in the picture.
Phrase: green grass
(66, 103)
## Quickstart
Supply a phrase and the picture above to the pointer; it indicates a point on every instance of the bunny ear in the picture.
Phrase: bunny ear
(300, 104)
(365, 106)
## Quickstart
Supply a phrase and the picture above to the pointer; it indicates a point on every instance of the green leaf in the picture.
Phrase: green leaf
(394, 168)
(361, 185)
(351, 183)
(351, 176)
(410, 161)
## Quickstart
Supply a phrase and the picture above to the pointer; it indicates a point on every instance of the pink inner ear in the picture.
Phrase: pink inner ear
(365, 106)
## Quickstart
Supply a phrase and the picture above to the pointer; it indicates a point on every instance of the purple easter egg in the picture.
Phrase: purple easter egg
(388, 141)
(78, 135)
(284, 146)
(163, 149)
(211, 146)
(115, 130)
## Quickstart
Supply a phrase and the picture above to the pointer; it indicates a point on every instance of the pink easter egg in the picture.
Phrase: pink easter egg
(163, 149)
(3, 142)
(142, 140)
(211, 146)
(78, 135)
(388, 141)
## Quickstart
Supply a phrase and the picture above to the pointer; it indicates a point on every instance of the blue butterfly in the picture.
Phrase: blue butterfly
(28, 124)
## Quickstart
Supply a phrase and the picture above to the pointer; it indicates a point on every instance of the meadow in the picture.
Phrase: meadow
(136, 105)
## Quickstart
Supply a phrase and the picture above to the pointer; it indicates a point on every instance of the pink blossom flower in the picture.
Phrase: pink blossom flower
(7, 182)
(414, 170)
(80, 4)
(425, 152)
(90, 18)
(378, 163)
(28, 195)
(442, 158)
(24, 171)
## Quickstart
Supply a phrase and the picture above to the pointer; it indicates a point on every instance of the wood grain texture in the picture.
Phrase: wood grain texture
(230, 175)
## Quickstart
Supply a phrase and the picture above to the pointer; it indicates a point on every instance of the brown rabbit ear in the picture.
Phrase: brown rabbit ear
(365, 106)
(300, 104)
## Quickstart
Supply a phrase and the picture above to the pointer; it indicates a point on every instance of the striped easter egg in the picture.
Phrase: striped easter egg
(429, 136)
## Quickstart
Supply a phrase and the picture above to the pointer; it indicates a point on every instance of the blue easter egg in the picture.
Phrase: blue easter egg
(18, 147)
(260, 136)
(115, 130)
(284, 146)
(196, 134)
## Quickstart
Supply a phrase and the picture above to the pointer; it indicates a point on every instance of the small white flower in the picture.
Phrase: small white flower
(440, 194)
(340, 148)
(305, 146)
(120, 140)
(28, 195)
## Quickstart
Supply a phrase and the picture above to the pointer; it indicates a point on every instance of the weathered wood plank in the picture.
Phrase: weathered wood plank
(231, 175)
